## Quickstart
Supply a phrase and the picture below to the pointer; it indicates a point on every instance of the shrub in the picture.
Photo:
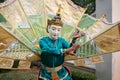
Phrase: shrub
(76, 75)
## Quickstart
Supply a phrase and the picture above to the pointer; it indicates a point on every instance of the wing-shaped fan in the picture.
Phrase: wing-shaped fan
(12, 52)
(26, 22)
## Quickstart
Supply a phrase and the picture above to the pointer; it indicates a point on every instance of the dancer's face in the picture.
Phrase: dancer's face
(54, 31)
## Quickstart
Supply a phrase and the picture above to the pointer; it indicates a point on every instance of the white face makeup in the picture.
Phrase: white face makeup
(54, 31)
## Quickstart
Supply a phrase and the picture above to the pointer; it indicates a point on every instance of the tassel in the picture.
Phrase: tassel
(55, 76)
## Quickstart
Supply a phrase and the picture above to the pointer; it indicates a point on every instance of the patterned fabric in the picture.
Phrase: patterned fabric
(62, 73)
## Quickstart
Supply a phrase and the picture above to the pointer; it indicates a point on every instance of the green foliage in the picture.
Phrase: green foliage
(1, 1)
(4, 71)
(15, 65)
(76, 75)
(90, 4)
(13, 75)
(26, 75)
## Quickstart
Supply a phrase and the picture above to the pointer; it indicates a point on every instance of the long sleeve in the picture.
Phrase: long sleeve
(52, 50)
(65, 44)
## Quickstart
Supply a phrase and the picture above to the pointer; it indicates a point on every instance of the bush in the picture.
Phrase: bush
(76, 75)
(19, 75)
(4, 71)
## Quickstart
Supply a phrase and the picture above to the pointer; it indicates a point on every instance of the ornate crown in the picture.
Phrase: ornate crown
(56, 19)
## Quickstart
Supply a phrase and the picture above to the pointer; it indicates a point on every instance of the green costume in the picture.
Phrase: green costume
(52, 56)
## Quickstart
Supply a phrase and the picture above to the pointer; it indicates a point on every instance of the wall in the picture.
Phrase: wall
(104, 6)
(116, 66)
(110, 68)
(115, 11)
(103, 70)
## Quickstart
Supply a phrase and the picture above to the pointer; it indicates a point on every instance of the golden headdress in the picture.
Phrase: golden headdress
(56, 19)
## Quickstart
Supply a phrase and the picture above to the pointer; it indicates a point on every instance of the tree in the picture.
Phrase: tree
(90, 4)
(1, 1)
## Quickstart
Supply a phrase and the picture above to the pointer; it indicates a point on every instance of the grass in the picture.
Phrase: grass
(18, 75)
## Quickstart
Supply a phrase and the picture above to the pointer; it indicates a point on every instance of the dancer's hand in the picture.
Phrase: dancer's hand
(71, 50)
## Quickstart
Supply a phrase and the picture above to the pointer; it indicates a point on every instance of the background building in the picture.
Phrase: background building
(109, 69)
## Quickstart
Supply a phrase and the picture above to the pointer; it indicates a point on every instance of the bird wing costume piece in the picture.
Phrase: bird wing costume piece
(25, 22)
